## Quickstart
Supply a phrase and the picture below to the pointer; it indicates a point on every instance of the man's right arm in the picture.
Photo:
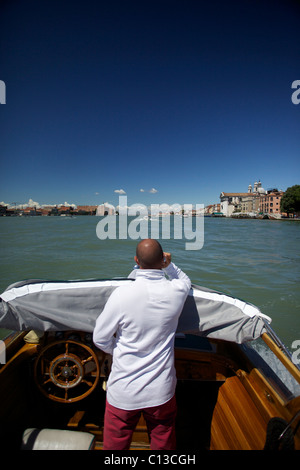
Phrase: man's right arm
(173, 272)
(107, 325)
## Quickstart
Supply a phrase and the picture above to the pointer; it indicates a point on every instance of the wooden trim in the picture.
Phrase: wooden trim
(286, 361)
(237, 423)
(263, 394)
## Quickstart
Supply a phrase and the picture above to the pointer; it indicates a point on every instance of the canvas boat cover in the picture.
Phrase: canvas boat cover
(75, 305)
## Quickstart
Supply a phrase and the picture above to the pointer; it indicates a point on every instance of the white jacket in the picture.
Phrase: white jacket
(137, 326)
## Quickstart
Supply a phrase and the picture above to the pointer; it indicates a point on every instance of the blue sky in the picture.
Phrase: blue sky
(188, 97)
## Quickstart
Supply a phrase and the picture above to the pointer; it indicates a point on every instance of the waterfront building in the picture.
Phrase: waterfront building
(212, 208)
(86, 210)
(270, 202)
(242, 203)
(31, 211)
(105, 209)
(232, 202)
(3, 210)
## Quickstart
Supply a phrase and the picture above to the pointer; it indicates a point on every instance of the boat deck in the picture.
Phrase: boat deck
(196, 402)
(222, 404)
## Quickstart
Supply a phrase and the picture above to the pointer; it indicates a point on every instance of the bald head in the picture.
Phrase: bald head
(149, 254)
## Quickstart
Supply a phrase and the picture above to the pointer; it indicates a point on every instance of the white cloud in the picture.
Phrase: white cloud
(120, 191)
(37, 205)
(32, 203)
(152, 190)
(66, 204)
(108, 205)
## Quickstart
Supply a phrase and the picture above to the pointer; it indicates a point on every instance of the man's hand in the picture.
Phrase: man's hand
(166, 260)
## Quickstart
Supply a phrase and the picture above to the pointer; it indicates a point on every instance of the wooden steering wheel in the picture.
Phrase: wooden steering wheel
(66, 371)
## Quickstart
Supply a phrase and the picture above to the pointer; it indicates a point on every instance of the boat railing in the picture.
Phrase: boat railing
(281, 351)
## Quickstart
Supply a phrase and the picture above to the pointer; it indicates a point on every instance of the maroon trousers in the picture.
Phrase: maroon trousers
(119, 426)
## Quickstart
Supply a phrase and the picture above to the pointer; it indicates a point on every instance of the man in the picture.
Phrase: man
(137, 326)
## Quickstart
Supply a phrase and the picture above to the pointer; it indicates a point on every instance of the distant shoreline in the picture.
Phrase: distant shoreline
(239, 217)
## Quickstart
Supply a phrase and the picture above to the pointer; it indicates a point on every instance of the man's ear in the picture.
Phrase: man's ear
(136, 260)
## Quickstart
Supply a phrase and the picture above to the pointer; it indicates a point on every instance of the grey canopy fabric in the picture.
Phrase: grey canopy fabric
(75, 305)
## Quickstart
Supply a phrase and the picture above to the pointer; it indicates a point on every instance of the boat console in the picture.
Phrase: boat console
(53, 385)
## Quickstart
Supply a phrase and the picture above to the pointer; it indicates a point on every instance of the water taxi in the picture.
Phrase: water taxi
(238, 388)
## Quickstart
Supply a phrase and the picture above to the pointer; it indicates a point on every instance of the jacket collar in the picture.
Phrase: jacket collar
(149, 274)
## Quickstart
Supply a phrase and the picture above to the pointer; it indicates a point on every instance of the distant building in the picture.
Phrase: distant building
(86, 210)
(64, 210)
(270, 202)
(209, 210)
(105, 209)
(244, 203)
(231, 202)
(31, 211)
(3, 210)
(257, 188)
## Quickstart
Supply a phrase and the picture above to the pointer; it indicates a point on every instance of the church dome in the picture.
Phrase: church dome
(261, 191)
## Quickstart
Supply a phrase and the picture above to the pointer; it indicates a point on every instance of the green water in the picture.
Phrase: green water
(256, 260)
